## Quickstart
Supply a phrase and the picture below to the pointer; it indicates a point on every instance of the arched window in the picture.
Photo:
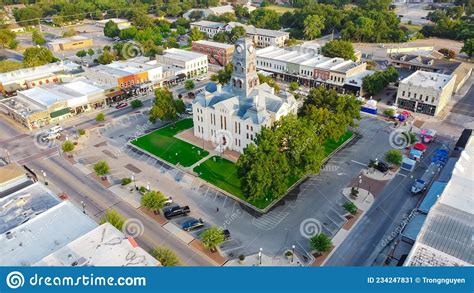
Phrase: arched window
(233, 82)
(239, 82)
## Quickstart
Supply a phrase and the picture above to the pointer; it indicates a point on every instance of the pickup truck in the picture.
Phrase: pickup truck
(176, 211)
(50, 136)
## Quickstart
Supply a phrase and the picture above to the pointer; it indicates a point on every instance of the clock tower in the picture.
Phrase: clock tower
(244, 77)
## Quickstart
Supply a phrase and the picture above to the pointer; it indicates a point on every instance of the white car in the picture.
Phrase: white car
(200, 78)
(55, 129)
(50, 136)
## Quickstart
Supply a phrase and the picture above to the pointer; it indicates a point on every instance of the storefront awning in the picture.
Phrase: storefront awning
(114, 94)
(61, 112)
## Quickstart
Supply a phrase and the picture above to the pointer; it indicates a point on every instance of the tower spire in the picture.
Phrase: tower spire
(244, 77)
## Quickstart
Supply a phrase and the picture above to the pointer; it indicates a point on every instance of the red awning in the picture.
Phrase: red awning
(419, 146)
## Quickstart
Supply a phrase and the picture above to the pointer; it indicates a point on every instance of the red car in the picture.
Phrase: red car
(121, 105)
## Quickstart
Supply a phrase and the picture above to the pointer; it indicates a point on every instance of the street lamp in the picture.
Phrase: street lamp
(133, 179)
(293, 254)
(83, 207)
(359, 182)
(148, 186)
(44, 177)
(260, 256)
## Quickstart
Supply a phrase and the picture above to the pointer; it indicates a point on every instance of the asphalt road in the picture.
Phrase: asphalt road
(366, 239)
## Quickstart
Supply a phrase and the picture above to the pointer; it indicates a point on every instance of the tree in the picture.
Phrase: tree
(81, 54)
(114, 218)
(212, 237)
(375, 83)
(468, 47)
(69, 33)
(389, 112)
(181, 30)
(350, 207)
(28, 16)
(9, 65)
(67, 147)
(338, 48)
(38, 38)
(321, 243)
(106, 57)
(394, 157)
(237, 33)
(268, 80)
(265, 18)
(37, 56)
(6, 38)
(165, 107)
(189, 84)
(136, 104)
(447, 53)
(153, 200)
(165, 256)
(111, 29)
(223, 76)
(195, 34)
(241, 11)
(294, 86)
(313, 25)
(90, 52)
(100, 117)
(196, 15)
(101, 168)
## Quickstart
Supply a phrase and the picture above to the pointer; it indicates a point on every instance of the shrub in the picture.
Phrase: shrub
(350, 207)
(320, 243)
(101, 168)
(241, 257)
(114, 218)
(82, 132)
(153, 200)
(165, 256)
(100, 117)
(354, 192)
(136, 104)
(389, 112)
(126, 181)
(142, 189)
(212, 237)
(394, 157)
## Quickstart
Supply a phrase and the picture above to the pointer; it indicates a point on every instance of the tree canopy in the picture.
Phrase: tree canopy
(338, 48)
(165, 256)
(166, 107)
(375, 83)
(153, 200)
(37, 56)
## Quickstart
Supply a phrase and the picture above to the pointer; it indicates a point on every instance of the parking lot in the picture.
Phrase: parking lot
(319, 197)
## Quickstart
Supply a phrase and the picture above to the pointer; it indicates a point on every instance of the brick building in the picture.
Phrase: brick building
(217, 53)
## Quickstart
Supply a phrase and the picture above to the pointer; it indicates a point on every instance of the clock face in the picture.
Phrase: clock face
(250, 49)
(239, 49)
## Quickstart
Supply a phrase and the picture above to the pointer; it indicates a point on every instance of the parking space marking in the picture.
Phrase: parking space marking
(269, 220)
(360, 163)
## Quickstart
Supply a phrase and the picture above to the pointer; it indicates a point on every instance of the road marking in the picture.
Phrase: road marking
(270, 220)
(357, 162)
(403, 175)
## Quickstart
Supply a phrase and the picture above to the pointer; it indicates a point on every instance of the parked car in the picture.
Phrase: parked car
(55, 129)
(200, 78)
(121, 105)
(226, 234)
(50, 136)
(192, 224)
(176, 211)
(189, 109)
(382, 166)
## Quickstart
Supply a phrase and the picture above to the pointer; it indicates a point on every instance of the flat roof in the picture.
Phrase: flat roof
(206, 23)
(214, 44)
(11, 172)
(126, 67)
(30, 242)
(249, 29)
(432, 196)
(103, 246)
(24, 205)
(50, 94)
(115, 20)
(183, 55)
(413, 227)
(69, 40)
(33, 72)
(428, 79)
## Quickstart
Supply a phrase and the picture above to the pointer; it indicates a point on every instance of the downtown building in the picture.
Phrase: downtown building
(306, 66)
(425, 92)
(217, 53)
(185, 63)
(40, 228)
(233, 115)
(261, 37)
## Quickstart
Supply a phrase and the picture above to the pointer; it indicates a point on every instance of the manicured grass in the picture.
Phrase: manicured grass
(164, 145)
(412, 28)
(280, 9)
(223, 173)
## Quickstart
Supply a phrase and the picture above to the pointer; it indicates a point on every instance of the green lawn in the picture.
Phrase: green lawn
(279, 9)
(164, 145)
(223, 173)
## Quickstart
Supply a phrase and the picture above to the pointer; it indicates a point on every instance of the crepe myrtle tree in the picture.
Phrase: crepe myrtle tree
(101, 169)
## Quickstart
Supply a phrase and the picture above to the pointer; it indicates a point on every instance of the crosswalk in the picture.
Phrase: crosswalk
(270, 220)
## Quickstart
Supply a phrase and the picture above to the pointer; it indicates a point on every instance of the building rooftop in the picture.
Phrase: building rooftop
(10, 173)
(210, 24)
(34, 72)
(74, 93)
(428, 79)
(69, 40)
(249, 29)
(115, 20)
(103, 246)
(214, 44)
(32, 241)
(183, 55)
(24, 205)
